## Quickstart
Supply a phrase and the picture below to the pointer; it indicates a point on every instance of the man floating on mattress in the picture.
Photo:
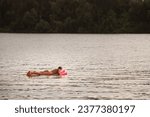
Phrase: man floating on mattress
(59, 71)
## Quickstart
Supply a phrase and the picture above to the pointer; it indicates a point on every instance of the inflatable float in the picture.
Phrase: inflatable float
(61, 73)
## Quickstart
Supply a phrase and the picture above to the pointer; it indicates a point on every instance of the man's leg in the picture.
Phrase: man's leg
(32, 73)
(36, 73)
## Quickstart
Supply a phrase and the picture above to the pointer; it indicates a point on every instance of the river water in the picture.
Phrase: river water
(99, 66)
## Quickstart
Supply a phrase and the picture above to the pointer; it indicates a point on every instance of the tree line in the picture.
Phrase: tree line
(75, 16)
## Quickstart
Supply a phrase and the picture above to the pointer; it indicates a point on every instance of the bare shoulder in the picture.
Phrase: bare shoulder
(54, 71)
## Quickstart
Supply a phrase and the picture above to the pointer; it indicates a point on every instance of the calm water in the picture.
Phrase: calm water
(99, 66)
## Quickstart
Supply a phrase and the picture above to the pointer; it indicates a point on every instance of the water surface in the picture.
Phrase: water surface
(99, 66)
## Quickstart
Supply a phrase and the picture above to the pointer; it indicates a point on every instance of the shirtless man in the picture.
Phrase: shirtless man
(46, 72)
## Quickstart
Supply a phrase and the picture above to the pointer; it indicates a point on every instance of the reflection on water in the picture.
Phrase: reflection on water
(99, 66)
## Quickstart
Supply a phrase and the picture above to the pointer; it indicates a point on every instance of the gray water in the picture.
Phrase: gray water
(99, 66)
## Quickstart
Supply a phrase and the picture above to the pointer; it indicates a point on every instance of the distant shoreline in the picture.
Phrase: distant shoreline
(67, 33)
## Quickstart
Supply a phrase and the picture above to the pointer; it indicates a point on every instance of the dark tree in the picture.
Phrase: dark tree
(75, 16)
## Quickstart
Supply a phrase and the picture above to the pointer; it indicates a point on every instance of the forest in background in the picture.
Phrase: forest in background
(75, 16)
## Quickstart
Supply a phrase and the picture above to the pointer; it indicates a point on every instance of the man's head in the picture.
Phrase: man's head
(60, 68)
